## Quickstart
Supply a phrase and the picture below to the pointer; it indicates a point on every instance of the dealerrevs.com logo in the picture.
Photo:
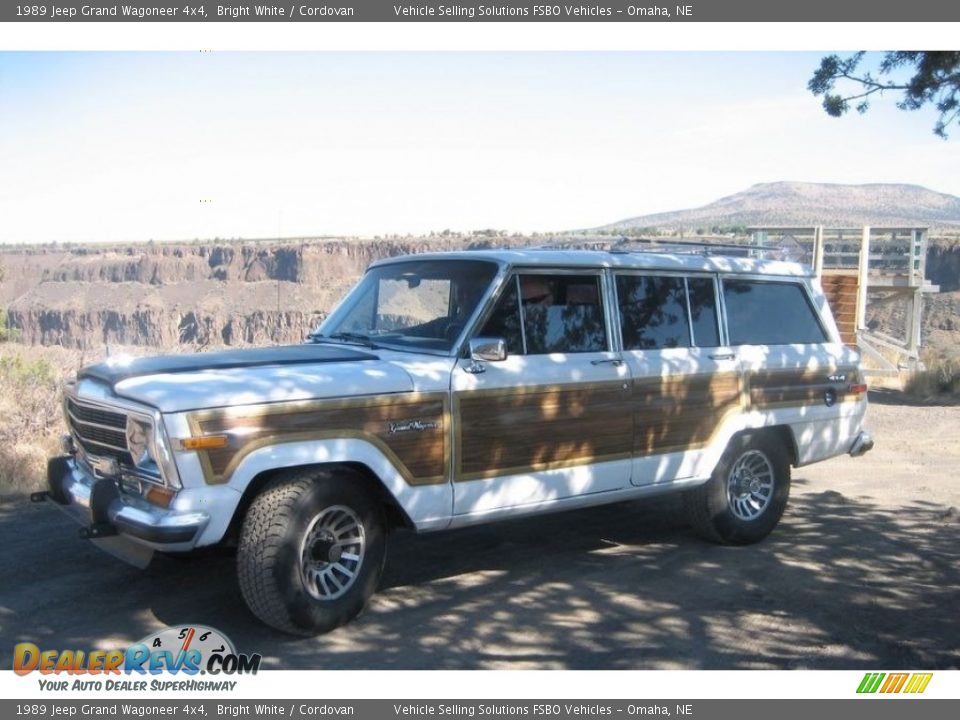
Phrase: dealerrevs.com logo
(175, 651)
(890, 683)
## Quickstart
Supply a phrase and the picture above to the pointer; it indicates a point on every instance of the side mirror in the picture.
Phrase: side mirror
(488, 349)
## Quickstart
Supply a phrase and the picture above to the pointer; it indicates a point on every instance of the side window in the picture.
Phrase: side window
(653, 312)
(703, 311)
(562, 314)
(769, 313)
(504, 321)
(559, 314)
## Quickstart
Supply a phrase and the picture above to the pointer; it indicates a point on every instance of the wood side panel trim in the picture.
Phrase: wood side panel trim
(421, 456)
(677, 414)
(508, 431)
(769, 389)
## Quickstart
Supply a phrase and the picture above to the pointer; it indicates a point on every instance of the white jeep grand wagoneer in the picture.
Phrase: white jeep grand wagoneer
(460, 388)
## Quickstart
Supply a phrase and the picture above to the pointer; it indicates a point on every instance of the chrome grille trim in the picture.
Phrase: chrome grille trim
(104, 439)
(93, 415)
(99, 406)
(78, 421)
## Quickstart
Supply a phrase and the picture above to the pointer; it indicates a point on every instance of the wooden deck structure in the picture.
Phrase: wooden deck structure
(865, 266)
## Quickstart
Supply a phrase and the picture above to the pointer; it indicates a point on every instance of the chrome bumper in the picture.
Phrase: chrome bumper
(862, 445)
(121, 524)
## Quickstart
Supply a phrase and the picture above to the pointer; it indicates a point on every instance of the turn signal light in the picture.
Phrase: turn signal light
(206, 442)
(858, 388)
(159, 495)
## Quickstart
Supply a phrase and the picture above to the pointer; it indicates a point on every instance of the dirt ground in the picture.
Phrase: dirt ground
(864, 571)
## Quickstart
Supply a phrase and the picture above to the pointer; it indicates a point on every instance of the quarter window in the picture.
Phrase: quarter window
(769, 313)
(703, 311)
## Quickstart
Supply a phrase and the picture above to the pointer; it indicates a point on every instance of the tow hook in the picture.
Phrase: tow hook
(97, 530)
(862, 445)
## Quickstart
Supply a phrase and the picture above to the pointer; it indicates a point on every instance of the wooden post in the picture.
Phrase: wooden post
(818, 251)
(920, 250)
(863, 274)
(916, 324)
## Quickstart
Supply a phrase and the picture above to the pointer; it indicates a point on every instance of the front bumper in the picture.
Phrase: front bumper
(122, 524)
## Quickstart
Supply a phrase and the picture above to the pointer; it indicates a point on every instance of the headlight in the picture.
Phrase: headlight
(140, 441)
(149, 448)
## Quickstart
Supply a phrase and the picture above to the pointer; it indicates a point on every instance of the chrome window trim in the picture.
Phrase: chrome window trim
(686, 298)
(721, 310)
(613, 311)
(523, 317)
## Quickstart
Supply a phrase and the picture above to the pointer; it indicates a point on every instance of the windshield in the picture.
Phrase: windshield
(421, 305)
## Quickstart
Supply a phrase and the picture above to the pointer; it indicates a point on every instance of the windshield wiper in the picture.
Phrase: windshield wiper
(358, 338)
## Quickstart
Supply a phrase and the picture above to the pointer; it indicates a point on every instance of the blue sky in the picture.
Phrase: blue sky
(134, 146)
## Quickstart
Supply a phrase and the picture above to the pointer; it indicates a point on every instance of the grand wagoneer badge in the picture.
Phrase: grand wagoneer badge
(411, 426)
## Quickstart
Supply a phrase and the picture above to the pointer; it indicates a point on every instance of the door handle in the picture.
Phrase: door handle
(722, 356)
(616, 362)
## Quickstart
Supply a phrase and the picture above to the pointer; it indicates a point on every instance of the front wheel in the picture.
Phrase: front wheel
(745, 497)
(311, 551)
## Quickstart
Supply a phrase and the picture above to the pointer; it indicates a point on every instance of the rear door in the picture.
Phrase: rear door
(685, 379)
(553, 420)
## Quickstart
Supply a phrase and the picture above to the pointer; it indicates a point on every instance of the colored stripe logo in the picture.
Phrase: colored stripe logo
(913, 683)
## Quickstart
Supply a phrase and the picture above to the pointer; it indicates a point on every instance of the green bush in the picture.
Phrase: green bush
(7, 332)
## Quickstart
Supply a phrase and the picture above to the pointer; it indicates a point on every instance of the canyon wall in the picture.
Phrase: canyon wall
(199, 295)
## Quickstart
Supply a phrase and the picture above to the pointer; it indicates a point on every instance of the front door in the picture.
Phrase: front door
(553, 420)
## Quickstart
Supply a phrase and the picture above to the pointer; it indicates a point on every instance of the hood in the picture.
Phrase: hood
(178, 383)
(113, 371)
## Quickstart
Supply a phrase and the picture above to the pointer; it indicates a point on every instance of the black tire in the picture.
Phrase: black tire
(290, 562)
(743, 508)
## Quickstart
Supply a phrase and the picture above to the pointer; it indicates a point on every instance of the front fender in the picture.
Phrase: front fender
(429, 506)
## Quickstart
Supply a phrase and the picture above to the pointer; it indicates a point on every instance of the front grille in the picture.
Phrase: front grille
(90, 414)
(99, 432)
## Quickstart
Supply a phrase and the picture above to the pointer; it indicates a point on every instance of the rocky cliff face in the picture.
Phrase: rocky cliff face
(213, 294)
(168, 295)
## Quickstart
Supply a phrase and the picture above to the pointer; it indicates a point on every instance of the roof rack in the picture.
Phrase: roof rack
(794, 252)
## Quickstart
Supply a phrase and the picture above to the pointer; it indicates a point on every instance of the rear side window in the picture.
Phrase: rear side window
(653, 312)
(658, 313)
(770, 313)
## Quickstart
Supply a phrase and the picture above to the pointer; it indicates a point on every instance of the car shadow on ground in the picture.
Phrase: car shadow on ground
(897, 398)
(842, 583)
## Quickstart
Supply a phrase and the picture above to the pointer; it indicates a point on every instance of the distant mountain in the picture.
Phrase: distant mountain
(801, 203)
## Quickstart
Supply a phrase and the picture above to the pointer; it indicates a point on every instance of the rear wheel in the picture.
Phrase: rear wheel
(311, 551)
(745, 497)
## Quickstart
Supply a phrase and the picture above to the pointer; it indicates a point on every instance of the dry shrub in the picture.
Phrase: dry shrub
(31, 418)
(31, 409)
(940, 378)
